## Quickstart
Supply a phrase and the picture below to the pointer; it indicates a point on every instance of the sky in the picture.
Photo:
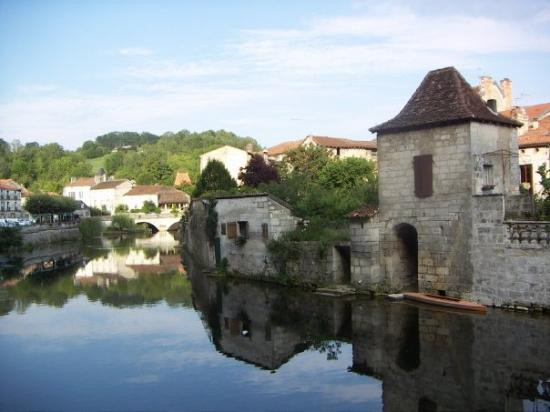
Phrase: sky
(272, 70)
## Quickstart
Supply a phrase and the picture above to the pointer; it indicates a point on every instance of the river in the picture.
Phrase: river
(131, 327)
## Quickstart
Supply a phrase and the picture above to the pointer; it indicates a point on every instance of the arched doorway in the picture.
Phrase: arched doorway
(407, 250)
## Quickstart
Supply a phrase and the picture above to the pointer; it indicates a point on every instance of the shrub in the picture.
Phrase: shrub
(90, 228)
(257, 171)
(94, 211)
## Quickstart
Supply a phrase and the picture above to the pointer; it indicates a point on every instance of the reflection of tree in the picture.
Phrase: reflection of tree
(56, 288)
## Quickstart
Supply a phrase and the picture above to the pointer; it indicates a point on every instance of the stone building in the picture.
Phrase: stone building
(448, 175)
(245, 224)
(10, 199)
(79, 187)
(497, 95)
(365, 149)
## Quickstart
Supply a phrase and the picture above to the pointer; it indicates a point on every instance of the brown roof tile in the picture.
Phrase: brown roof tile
(443, 97)
(182, 178)
(111, 184)
(337, 142)
(283, 147)
(173, 196)
(82, 181)
(9, 184)
(139, 190)
(536, 137)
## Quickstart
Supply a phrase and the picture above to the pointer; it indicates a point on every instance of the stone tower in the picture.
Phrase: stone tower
(445, 162)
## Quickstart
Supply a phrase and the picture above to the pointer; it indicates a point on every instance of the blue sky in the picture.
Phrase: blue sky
(276, 71)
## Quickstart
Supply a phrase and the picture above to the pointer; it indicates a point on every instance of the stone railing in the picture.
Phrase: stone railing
(528, 233)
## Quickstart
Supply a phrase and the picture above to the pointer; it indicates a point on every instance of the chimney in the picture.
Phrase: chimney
(506, 87)
(485, 86)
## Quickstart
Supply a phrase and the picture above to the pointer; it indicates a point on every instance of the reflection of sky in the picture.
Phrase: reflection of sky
(89, 356)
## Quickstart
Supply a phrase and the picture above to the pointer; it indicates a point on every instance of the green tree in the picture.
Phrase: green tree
(113, 162)
(41, 203)
(308, 160)
(257, 171)
(214, 177)
(149, 207)
(347, 173)
(122, 223)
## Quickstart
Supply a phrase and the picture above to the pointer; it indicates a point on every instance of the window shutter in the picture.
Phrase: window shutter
(232, 230)
(423, 176)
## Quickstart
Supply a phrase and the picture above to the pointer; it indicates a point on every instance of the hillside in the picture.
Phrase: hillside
(143, 157)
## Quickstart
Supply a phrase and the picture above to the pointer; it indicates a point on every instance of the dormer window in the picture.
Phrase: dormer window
(492, 104)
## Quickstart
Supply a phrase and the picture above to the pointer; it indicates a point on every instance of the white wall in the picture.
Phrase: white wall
(78, 193)
(136, 201)
(536, 157)
(233, 159)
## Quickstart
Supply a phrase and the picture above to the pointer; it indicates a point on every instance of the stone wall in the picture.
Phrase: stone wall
(40, 234)
(252, 256)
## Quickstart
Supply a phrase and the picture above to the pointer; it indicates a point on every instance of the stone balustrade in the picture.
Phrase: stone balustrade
(528, 233)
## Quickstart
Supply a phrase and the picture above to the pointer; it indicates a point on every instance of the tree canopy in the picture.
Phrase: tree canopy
(214, 177)
(43, 203)
(257, 171)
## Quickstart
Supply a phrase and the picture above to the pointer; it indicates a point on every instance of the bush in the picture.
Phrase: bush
(90, 228)
(122, 223)
(150, 207)
(94, 211)
(542, 201)
(121, 209)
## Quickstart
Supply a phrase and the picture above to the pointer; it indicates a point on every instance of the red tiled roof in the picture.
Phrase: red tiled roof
(444, 97)
(283, 147)
(536, 137)
(140, 190)
(9, 184)
(336, 142)
(111, 184)
(364, 212)
(82, 181)
(537, 110)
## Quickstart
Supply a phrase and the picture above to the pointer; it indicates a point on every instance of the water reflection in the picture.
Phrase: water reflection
(190, 341)
(427, 359)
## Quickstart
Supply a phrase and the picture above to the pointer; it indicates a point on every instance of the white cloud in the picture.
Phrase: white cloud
(172, 70)
(135, 51)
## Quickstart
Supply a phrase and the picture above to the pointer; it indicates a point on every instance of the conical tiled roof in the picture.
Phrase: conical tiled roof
(443, 97)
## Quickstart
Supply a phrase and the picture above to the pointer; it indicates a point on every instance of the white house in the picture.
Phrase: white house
(162, 196)
(107, 195)
(10, 199)
(342, 148)
(232, 158)
(79, 187)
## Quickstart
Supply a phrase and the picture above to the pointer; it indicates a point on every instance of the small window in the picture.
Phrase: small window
(488, 183)
(265, 231)
(423, 176)
(338, 151)
(223, 229)
(243, 229)
(527, 177)
(232, 230)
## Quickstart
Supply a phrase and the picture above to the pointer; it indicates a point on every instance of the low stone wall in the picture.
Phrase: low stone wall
(38, 234)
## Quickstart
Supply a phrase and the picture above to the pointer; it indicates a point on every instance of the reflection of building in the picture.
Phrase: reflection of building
(128, 265)
(427, 359)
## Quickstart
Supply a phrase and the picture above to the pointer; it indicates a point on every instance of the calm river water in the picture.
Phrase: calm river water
(132, 328)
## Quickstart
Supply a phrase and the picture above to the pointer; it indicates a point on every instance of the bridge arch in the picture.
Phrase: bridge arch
(151, 226)
(174, 226)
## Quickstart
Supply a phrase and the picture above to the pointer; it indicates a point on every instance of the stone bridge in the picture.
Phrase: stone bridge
(161, 222)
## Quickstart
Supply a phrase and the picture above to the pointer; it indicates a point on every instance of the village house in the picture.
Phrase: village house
(233, 158)
(342, 148)
(10, 199)
(79, 188)
(448, 189)
(161, 196)
(108, 195)
(534, 134)
(246, 223)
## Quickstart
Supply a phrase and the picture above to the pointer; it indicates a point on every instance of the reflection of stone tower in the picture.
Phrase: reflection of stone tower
(442, 160)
